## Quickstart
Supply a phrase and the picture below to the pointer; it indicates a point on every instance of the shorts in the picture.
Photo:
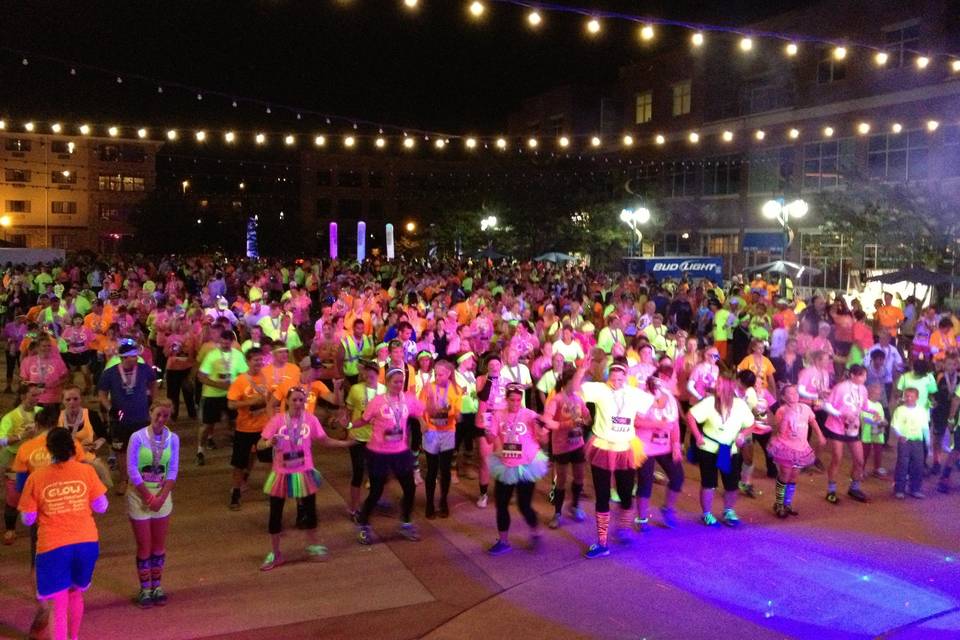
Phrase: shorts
(577, 456)
(137, 510)
(75, 360)
(120, 432)
(436, 442)
(841, 437)
(380, 465)
(213, 409)
(243, 444)
(67, 567)
(867, 436)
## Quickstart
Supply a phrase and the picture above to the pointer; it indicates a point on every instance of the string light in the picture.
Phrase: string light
(289, 140)
(922, 62)
(760, 134)
(792, 49)
(172, 135)
(727, 136)
(932, 125)
(694, 137)
(471, 143)
(828, 132)
(477, 8)
(746, 44)
(408, 143)
(896, 127)
(595, 141)
(201, 135)
(646, 32)
(440, 143)
(840, 53)
(229, 137)
(56, 128)
(697, 39)
(593, 26)
(113, 132)
(410, 4)
(501, 144)
(141, 133)
(380, 142)
(881, 58)
(532, 143)
(84, 129)
(349, 141)
(3, 125)
(659, 139)
(260, 138)
(28, 126)
(955, 65)
(794, 134)
(534, 19)
(863, 128)
(320, 141)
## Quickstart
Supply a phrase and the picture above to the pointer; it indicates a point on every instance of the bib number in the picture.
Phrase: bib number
(292, 459)
(512, 450)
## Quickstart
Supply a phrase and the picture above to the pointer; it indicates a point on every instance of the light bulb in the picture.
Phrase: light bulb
(593, 26)
(172, 135)
(229, 137)
(289, 140)
(794, 134)
(863, 128)
(113, 131)
(532, 143)
(760, 134)
(881, 58)
(141, 133)
(470, 143)
(828, 132)
(922, 62)
(727, 136)
(896, 127)
(29, 126)
(201, 136)
(694, 137)
(564, 142)
(85, 129)
(440, 143)
(646, 32)
(840, 53)
(534, 19)
(408, 143)
(380, 143)
(56, 128)
(746, 44)
(792, 49)
(477, 8)
(595, 141)
(349, 141)
(501, 144)
(320, 141)
(697, 39)
(260, 138)
(659, 139)
(932, 125)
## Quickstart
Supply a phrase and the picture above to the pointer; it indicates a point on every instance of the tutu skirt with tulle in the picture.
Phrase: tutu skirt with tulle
(292, 485)
(787, 456)
(632, 458)
(530, 472)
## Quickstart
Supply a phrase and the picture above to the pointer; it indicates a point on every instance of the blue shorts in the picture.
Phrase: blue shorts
(67, 567)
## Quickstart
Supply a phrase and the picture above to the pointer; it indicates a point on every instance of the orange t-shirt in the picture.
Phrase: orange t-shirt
(286, 376)
(246, 387)
(33, 454)
(61, 495)
(889, 317)
(316, 390)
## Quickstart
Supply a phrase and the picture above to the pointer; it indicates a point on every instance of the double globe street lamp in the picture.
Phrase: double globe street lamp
(783, 212)
(633, 218)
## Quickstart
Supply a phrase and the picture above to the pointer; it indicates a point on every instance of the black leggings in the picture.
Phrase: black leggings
(601, 485)
(416, 437)
(709, 471)
(13, 362)
(674, 471)
(380, 466)
(176, 386)
(306, 513)
(438, 463)
(358, 452)
(503, 492)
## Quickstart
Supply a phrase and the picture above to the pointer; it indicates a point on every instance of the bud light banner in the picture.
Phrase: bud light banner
(675, 267)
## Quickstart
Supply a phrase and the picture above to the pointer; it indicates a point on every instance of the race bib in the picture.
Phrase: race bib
(152, 474)
(512, 450)
(660, 438)
(292, 459)
(393, 434)
(575, 435)
(621, 424)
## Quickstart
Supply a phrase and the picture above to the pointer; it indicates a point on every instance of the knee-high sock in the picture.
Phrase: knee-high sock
(58, 617)
(603, 525)
(144, 572)
(558, 497)
(625, 518)
(75, 609)
(788, 497)
(781, 493)
(577, 491)
(156, 568)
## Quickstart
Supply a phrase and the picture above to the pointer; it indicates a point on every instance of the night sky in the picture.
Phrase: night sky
(372, 59)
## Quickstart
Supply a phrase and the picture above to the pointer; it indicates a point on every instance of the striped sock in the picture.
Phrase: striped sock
(156, 568)
(791, 489)
(144, 572)
(603, 525)
(781, 493)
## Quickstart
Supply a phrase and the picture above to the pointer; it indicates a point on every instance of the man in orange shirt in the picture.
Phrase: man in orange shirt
(281, 372)
(249, 396)
(889, 318)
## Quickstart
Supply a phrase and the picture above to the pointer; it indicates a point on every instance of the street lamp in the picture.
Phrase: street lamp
(782, 212)
(488, 223)
(5, 222)
(411, 226)
(633, 218)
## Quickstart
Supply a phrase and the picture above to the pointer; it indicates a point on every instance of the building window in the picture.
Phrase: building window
(17, 206)
(110, 183)
(684, 179)
(676, 244)
(61, 147)
(721, 176)
(376, 179)
(132, 153)
(824, 163)
(645, 179)
(110, 212)
(771, 170)
(720, 244)
(898, 157)
(324, 208)
(63, 177)
(16, 175)
(60, 241)
(829, 69)
(899, 41)
(63, 206)
(109, 153)
(134, 183)
(324, 177)
(645, 107)
(17, 144)
(349, 179)
(681, 98)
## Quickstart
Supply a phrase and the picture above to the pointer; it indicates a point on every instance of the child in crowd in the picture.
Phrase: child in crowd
(873, 429)
(909, 423)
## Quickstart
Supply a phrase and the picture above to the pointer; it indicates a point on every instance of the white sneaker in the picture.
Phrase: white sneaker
(482, 501)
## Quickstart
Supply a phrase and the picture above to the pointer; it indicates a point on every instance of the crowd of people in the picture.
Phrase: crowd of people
(435, 373)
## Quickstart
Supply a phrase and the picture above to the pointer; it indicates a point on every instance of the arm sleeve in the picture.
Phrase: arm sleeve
(133, 454)
(100, 504)
(173, 467)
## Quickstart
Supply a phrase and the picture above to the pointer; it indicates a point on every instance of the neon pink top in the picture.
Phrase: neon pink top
(77, 338)
(565, 410)
(658, 423)
(292, 452)
(45, 372)
(812, 380)
(518, 436)
(388, 417)
(849, 399)
(793, 425)
(703, 376)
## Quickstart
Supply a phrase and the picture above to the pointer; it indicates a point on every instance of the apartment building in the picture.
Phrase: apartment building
(71, 192)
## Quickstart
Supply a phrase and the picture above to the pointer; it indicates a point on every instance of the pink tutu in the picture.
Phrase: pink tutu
(786, 456)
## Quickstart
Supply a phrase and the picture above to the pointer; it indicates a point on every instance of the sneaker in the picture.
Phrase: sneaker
(746, 489)
(201, 459)
(880, 472)
(444, 511)
(499, 548)
(710, 520)
(832, 497)
(624, 535)
(642, 524)
(790, 510)
(614, 496)
(943, 487)
(364, 535)
(317, 552)
(577, 514)
(555, 521)
(858, 495)
(409, 531)
(9, 537)
(535, 540)
(919, 495)
(780, 511)
(431, 512)
(597, 551)
(417, 478)
(270, 562)
(730, 518)
(899, 495)
(669, 517)
(159, 597)
(145, 599)
(235, 500)
(482, 501)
